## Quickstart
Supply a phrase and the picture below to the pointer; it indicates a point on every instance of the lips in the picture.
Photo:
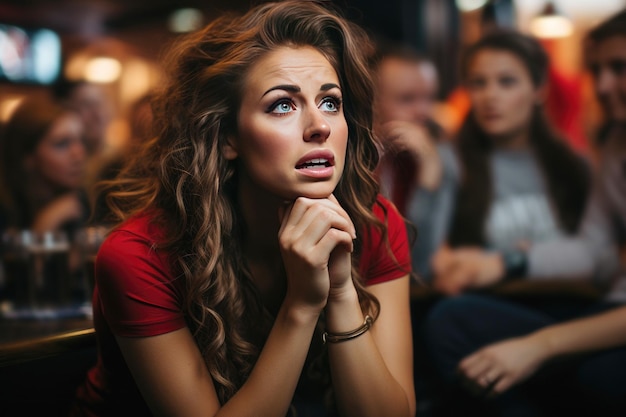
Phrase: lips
(316, 159)
(315, 163)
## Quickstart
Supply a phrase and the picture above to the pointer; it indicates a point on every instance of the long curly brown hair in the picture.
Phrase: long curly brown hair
(183, 174)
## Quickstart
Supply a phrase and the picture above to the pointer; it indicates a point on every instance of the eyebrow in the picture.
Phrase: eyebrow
(295, 89)
(329, 86)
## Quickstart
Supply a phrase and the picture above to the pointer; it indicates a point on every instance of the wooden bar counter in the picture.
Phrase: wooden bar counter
(42, 362)
(24, 340)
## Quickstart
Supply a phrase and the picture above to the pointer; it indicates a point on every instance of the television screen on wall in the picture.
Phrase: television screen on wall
(28, 55)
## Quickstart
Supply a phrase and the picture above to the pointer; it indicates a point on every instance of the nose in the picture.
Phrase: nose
(317, 127)
(604, 81)
(490, 91)
(79, 151)
(421, 111)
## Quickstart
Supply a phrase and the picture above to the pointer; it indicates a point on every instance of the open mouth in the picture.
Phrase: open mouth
(314, 163)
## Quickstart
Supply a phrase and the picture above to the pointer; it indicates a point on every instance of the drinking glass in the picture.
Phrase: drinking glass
(14, 291)
(87, 241)
(37, 280)
(50, 285)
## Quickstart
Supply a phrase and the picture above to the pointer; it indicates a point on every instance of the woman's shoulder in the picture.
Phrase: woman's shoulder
(385, 210)
(135, 247)
(140, 230)
(385, 256)
(145, 224)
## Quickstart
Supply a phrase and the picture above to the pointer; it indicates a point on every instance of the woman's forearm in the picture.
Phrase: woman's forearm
(362, 381)
(600, 331)
(270, 388)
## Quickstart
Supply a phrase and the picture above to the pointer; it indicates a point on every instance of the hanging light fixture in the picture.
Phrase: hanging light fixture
(470, 5)
(550, 23)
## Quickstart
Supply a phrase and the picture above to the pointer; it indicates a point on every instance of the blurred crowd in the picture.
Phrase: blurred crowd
(519, 236)
(53, 154)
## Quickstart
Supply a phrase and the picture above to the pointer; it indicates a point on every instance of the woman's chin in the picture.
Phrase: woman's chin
(312, 194)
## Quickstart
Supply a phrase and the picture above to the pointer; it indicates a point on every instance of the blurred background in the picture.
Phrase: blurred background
(117, 43)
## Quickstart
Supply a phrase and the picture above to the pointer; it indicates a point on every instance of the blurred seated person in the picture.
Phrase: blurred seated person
(528, 361)
(417, 171)
(93, 104)
(521, 184)
(90, 101)
(43, 166)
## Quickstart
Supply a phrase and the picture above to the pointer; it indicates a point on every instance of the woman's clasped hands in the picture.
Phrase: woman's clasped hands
(316, 241)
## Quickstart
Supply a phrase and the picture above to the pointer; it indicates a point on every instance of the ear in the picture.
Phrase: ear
(229, 150)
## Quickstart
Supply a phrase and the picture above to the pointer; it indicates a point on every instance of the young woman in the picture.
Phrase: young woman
(43, 167)
(521, 185)
(256, 263)
(534, 361)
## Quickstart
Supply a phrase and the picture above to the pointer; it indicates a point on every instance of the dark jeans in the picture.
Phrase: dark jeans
(593, 384)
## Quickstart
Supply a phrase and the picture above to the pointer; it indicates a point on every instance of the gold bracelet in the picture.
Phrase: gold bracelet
(342, 337)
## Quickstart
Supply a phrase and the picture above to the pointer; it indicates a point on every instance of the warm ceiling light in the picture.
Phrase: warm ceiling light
(469, 5)
(7, 106)
(185, 20)
(550, 24)
(102, 70)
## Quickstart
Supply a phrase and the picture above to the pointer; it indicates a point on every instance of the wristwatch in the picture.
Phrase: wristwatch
(515, 264)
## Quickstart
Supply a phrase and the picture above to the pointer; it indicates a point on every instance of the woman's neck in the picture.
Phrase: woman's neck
(513, 142)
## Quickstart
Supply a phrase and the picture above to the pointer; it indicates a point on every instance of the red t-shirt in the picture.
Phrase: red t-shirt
(138, 294)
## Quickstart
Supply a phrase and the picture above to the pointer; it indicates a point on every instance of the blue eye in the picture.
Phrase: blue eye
(281, 107)
(331, 104)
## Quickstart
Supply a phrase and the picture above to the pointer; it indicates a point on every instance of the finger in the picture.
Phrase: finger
(446, 281)
(463, 275)
(317, 221)
(343, 213)
(476, 369)
(333, 239)
(296, 209)
(492, 377)
(284, 212)
(470, 360)
(482, 384)
(311, 226)
(501, 386)
(449, 288)
(446, 261)
(473, 388)
(303, 204)
(293, 216)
